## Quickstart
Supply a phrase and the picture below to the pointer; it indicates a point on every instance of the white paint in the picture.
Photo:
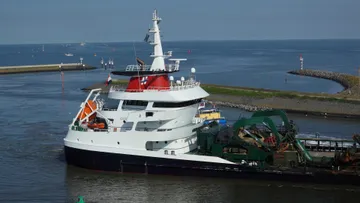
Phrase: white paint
(138, 128)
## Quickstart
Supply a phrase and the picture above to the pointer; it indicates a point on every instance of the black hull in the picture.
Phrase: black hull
(160, 166)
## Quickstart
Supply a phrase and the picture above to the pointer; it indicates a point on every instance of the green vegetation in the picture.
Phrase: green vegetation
(120, 82)
(352, 80)
(263, 93)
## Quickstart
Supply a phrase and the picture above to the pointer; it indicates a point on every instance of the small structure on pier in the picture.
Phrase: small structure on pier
(301, 62)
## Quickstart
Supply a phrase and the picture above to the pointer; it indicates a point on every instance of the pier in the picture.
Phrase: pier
(351, 83)
(44, 68)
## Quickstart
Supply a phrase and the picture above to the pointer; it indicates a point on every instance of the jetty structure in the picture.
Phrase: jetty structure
(45, 68)
(154, 129)
(351, 83)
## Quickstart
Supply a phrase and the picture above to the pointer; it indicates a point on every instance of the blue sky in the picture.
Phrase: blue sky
(51, 21)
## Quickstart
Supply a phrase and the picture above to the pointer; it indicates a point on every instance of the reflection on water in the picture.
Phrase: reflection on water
(117, 187)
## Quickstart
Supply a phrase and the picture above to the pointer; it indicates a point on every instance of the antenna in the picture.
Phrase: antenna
(136, 64)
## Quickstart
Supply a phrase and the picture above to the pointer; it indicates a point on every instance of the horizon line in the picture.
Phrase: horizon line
(189, 40)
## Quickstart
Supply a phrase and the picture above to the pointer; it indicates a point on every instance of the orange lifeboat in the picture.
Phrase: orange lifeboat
(96, 125)
(90, 106)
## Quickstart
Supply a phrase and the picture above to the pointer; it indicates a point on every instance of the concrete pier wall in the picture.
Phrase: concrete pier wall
(44, 68)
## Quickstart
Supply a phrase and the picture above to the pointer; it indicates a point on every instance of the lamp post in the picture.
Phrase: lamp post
(102, 62)
(62, 76)
(301, 62)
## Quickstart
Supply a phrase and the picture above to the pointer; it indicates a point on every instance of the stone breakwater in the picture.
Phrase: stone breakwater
(349, 82)
(245, 107)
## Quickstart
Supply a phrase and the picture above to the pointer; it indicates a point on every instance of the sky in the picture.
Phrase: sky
(73, 21)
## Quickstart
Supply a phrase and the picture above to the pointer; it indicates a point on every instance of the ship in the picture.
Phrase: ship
(69, 54)
(154, 129)
(210, 115)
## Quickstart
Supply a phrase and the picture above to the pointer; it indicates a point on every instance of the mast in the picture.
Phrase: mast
(158, 64)
(158, 55)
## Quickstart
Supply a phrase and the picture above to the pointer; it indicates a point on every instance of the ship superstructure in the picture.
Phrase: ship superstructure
(155, 115)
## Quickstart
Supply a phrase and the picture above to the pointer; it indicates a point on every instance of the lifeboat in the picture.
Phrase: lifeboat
(90, 106)
(96, 125)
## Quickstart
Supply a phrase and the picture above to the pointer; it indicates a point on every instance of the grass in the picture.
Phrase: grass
(352, 80)
(263, 93)
(120, 82)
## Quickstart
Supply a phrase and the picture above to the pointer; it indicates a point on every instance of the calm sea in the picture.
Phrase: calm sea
(35, 113)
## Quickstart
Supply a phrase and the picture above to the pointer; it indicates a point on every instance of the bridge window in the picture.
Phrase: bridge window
(135, 103)
(110, 104)
(175, 104)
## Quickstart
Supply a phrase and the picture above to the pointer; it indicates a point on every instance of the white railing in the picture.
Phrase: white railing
(118, 88)
(87, 129)
(109, 109)
(168, 67)
(138, 68)
(197, 120)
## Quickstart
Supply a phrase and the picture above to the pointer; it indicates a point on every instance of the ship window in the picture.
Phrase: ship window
(176, 104)
(110, 104)
(135, 103)
(148, 114)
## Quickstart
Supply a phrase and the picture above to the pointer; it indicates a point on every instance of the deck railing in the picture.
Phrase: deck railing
(133, 68)
(327, 145)
(118, 129)
(121, 88)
